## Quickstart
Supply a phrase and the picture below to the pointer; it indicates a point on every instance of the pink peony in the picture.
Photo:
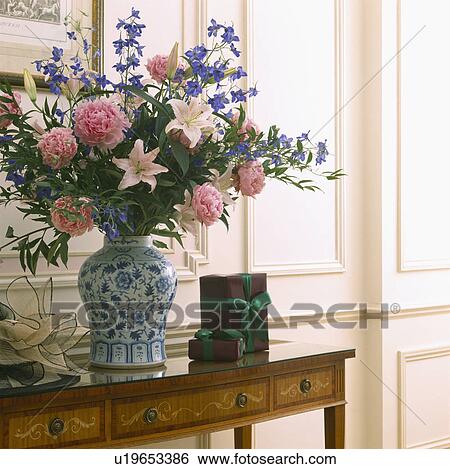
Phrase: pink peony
(250, 178)
(246, 126)
(58, 147)
(69, 219)
(207, 204)
(11, 108)
(100, 123)
(157, 67)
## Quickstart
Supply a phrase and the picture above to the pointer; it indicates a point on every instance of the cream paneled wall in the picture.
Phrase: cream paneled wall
(415, 255)
(312, 58)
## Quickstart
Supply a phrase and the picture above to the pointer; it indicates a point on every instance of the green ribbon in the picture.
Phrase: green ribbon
(207, 336)
(250, 308)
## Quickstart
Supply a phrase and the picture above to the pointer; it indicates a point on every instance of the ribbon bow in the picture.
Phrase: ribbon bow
(207, 336)
(250, 308)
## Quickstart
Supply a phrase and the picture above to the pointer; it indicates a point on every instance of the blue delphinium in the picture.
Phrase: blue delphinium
(239, 73)
(214, 28)
(193, 88)
(238, 96)
(197, 53)
(228, 35)
(218, 71)
(322, 152)
(235, 51)
(285, 141)
(252, 92)
(304, 136)
(129, 50)
(218, 101)
(15, 177)
(57, 54)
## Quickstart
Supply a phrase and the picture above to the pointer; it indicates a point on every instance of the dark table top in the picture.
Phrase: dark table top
(29, 379)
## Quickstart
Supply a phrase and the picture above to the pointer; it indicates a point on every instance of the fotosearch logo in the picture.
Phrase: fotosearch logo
(133, 314)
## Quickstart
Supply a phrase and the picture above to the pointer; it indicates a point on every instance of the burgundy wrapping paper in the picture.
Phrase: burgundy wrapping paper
(224, 317)
(223, 350)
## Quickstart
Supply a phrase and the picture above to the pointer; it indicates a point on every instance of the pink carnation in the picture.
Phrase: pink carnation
(69, 219)
(100, 123)
(11, 108)
(207, 204)
(157, 67)
(250, 178)
(58, 147)
(247, 125)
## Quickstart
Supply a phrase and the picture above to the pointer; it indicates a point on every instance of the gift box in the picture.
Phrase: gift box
(237, 301)
(227, 345)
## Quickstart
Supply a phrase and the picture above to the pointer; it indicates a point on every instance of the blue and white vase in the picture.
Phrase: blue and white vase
(127, 288)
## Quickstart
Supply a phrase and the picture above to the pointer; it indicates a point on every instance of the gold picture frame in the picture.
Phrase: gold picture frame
(97, 16)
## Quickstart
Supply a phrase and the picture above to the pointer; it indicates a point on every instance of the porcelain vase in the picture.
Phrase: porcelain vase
(127, 288)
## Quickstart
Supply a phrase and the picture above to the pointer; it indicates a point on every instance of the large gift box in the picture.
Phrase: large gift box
(222, 346)
(237, 301)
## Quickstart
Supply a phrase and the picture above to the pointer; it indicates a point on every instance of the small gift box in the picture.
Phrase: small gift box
(237, 301)
(226, 346)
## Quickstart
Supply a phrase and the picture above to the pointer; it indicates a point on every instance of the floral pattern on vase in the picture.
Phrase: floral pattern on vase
(127, 288)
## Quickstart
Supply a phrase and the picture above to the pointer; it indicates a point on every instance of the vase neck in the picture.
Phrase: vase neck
(130, 241)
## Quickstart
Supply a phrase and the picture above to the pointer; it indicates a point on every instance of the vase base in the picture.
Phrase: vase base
(127, 366)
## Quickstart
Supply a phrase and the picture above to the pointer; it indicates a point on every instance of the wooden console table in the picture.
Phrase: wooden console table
(103, 409)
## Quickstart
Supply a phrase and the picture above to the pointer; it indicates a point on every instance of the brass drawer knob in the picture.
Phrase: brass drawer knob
(305, 386)
(241, 400)
(56, 427)
(150, 415)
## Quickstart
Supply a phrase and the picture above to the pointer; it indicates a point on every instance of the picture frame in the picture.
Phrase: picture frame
(28, 31)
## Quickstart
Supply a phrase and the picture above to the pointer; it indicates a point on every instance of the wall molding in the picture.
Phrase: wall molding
(405, 357)
(325, 266)
(403, 263)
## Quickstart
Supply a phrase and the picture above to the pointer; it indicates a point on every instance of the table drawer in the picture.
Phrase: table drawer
(56, 427)
(304, 387)
(170, 411)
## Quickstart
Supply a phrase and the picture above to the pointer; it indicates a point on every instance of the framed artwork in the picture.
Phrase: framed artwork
(30, 28)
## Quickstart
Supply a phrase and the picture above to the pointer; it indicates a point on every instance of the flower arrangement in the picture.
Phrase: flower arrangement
(144, 154)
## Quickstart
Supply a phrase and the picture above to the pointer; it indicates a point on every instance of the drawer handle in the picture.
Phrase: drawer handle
(150, 415)
(305, 386)
(241, 400)
(56, 427)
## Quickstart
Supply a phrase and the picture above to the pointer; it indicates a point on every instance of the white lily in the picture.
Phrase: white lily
(185, 216)
(223, 183)
(191, 118)
(139, 167)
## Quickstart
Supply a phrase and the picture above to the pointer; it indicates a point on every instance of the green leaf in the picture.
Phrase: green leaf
(181, 155)
(168, 234)
(22, 259)
(162, 141)
(64, 252)
(54, 246)
(224, 220)
(160, 244)
(149, 99)
(165, 183)
(34, 260)
(9, 232)
(29, 259)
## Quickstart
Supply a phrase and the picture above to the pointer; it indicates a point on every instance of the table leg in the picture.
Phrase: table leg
(243, 437)
(335, 427)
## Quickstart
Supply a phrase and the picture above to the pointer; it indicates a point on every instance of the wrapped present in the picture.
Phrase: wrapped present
(237, 301)
(226, 345)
